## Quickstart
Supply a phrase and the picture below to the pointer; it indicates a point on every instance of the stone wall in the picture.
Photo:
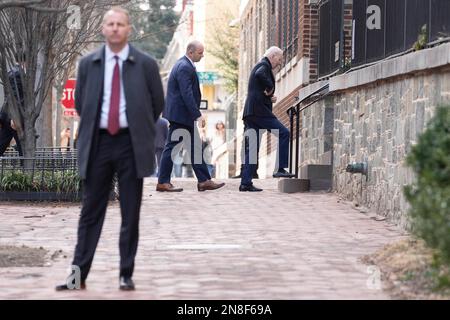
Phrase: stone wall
(317, 125)
(375, 122)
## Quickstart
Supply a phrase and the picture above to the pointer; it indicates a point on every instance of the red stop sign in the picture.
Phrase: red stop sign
(68, 97)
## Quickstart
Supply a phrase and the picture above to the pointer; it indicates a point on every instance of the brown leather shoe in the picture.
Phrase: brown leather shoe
(167, 187)
(209, 185)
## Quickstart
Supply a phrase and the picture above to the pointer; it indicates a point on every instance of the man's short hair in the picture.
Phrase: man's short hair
(118, 9)
(193, 45)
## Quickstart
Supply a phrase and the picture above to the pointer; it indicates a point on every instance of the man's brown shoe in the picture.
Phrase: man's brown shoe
(209, 185)
(167, 187)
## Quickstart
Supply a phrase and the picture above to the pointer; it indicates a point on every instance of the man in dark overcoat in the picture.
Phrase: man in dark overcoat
(258, 116)
(119, 96)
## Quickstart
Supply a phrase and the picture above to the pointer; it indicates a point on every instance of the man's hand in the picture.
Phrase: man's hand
(269, 93)
(13, 125)
(274, 99)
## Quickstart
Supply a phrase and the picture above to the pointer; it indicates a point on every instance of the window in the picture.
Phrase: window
(288, 28)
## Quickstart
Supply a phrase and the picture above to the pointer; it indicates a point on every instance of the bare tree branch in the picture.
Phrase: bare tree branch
(19, 3)
(39, 29)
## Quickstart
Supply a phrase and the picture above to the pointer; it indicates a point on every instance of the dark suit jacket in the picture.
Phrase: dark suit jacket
(162, 131)
(7, 133)
(261, 79)
(183, 94)
(144, 102)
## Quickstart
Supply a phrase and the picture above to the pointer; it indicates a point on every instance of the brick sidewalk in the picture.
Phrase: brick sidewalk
(211, 245)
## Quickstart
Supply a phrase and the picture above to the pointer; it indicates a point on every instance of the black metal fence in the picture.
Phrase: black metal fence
(386, 27)
(51, 175)
(331, 37)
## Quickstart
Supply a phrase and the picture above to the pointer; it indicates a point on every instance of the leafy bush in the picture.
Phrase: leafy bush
(429, 196)
(47, 181)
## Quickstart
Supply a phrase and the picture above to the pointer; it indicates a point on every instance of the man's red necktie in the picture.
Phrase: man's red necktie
(113, 118)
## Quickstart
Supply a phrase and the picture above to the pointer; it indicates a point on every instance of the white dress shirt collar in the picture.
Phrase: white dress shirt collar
(123, 54)
(192, 62)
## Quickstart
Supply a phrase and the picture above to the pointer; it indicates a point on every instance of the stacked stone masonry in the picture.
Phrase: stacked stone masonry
(378, 124)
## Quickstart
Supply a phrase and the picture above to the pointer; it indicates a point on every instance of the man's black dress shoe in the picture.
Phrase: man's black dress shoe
(63, 287)
(254, 176)
(126, 284)
(250, 188)
(281, 173)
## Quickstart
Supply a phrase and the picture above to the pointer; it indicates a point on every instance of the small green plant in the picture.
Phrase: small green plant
(422, 39)
(347, 63)
(15, 181)
(47, 181)
(429, 196)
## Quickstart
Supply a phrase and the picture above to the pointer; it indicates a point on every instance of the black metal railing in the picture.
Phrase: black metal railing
(52, 174)
(294, 120)
(383, 28)
(294, 113)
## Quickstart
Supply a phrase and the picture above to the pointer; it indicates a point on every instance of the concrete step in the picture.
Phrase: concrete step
(319, 176)
(293, 185)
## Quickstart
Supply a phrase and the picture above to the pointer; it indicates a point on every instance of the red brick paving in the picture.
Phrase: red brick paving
(211, 245)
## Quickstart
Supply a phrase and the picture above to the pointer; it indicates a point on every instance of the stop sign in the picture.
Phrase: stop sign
(68, 97)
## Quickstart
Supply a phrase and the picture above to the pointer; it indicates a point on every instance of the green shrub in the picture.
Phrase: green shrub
(59, 181)
(15, 180)
(429, 196)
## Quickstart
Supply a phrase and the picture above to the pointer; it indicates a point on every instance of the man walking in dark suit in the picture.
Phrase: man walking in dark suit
(182, 111)
(119, 98)
(258, 116)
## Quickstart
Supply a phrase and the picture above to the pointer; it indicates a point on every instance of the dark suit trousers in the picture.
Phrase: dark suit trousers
(114, 154)
(180, 135)
(158, 154)
(6, 135)
(254, 128)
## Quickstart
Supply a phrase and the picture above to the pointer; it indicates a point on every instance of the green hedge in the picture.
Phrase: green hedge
(59, 181)
(429, 196)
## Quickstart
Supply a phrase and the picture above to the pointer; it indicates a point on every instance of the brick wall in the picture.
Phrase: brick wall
(309, 36)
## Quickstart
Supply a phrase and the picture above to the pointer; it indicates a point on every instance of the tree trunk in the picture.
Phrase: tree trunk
(28, 142)
(44, 124)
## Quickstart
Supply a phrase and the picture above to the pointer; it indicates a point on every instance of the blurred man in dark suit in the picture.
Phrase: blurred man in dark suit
(7, 126)
(119, 98)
